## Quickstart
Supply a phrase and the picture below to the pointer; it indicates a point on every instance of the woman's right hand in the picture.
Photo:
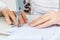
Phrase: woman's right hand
(9, 16)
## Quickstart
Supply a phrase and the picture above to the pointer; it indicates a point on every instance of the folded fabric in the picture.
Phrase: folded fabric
(30, 33)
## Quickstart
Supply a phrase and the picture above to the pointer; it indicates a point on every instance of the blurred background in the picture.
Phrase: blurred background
(12, 4)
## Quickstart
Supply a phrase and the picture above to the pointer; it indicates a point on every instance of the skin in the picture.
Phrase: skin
(22, 18)
(46, 20)
(9, 15)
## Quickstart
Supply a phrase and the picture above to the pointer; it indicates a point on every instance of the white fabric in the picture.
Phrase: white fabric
(2, 5)
(42, 6)
(28, 33)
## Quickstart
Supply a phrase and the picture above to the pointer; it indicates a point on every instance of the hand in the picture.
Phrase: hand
(9, 16)
(22, 18)
(46, 20)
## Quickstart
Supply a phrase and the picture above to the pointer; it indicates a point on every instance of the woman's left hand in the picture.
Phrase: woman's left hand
(46, 20)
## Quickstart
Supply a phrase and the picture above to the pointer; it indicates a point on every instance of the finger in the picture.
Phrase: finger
(45, 25)
(40, 21)
(21, 20)
(14, 13)
(1, 15)
(43, 16)
(11, 14)
(24, 17)
(5, 12)
(8, 19)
